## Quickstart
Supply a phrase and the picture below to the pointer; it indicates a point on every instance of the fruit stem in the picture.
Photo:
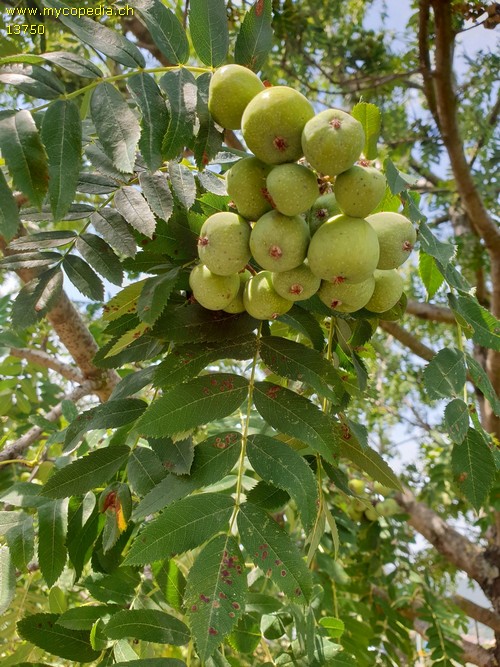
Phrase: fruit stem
(245, 425)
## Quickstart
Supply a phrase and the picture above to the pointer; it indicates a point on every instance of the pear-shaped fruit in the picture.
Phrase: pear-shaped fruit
(387, 292)
(371, 514)
(359, 190)
(332, 141)
(279, 242)
(388, 507)
(246, 185)
(237, 305)
(382, 489)
(357, 486)
(324, 208)
(231, 89)
(396, 237)
(223, 245)
(293, 188)
(272, 124)
(212, 291)
(297, 284)
(344, 249)
(346, 297)
(261, 299)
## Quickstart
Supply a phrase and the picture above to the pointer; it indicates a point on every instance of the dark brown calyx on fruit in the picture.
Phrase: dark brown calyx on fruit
(338, 280)
(296, 288)
(267, 197)
(202, 240)
(335, 123)
(280, 143)
(364, 163)
(335, 303)
(275, 251)
(407, 246)
(321, 213)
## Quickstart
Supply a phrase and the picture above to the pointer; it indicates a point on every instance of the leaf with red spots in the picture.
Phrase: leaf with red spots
(273, 551)
(283, 467)
(202, 400)
(473, 467)
(215, 593)
(254, 40)
(296, 416)
(184, 525)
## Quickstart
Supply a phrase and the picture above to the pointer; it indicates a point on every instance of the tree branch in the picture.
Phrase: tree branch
(426, 311)
(456, 548)
(408, 339)
(478, 613)
(15, 449)
(446, 101)
(41, 358)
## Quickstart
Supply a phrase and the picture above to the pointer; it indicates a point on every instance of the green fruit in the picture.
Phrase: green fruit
(387, 292)
(357, 486)
(381, 489)
(278, 242)
(354, 514)
(344, 249)
(223, 245)
(293, 188)
(324, 208)
(231, 89)
(332, 141)
(297, 284)
(396, 237)
(212, 291)
(272, 124)
(237, 305)
(371, 514)
(261, 299)
(359, 190)
(346, 297)
(246, 185)
(388, 507)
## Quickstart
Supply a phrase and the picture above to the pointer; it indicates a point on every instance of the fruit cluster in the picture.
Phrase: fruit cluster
(305, 242)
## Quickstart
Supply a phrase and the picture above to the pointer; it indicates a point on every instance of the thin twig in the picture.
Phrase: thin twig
(41, 358)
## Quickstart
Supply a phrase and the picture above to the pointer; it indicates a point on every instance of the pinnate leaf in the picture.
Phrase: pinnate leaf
(196, 402)
(215, 593)
(150, 625)
(110, 42)
(134, 208)
(214, 458)
(86, 473)
(101, 257)
(254, 40)
(430, 274)
(52, 523)
(62, 137)
(9, 212)
(154, 117)
(42, 631)
(114, 229)
(209, 30)
(297, 416)
(298, 362)
(155, 189)
(25, 155)
(183, 183)
(83, 277)
(446, 374)
(116, 125)
(184, 525)
(165, 29)
(369, 461)
(108, 415)
(7, 579)
(456, 419)
(155, 295)
(272, 549)
(180, 87)
(371, 119)
(283, 467)
(473, 467)
(482, 381)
